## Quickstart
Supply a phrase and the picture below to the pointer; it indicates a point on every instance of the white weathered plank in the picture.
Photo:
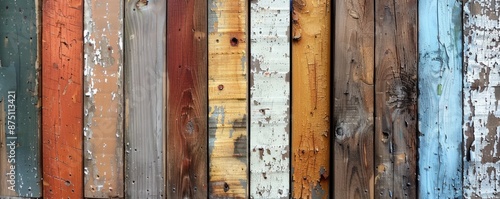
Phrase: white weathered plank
(269, 99)
(481, 98)
(440, 99)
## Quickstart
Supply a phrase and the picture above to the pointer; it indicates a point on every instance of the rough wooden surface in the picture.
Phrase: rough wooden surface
(145, 98)
(440, 99)
(354, 99)
(270, 99)
(20, 162)
(481, 98)
(395, 99)
(103, 102)
(62, 98)
(227, 92)
(187, 165)
(311, 98)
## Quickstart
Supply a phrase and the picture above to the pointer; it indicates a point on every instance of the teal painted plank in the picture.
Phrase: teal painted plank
(19, 93)
(440, 100)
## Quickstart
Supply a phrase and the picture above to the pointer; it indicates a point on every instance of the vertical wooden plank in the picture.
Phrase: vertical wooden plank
(395, 98)
(227, 92)
(20, 150)
(481, 98)
(270, 99)
(103, 102)
(311, 98)
(187, 161)
(62, 98)
(440, 99)
(354, 99)
(145, 98)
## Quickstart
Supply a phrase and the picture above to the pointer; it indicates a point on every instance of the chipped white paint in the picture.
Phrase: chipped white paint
(481, 99)
(269, 99)
(103, 102)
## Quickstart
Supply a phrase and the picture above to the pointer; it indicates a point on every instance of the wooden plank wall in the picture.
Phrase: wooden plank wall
(62, 98)
(145, 98)
(20, 162)
(270, 99)
(481, 98)
(440, 99)
(227, 93)
(311, 98)
(187, 135)
(395, 98)
(354, 99)
(103, 99)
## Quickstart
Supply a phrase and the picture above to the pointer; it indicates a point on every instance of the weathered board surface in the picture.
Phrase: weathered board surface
(354, 99)
(227, 93)
(20, 150)
(481, 99)
(103, 99)
(62, 98)
(311, 98)
(440, 99)
(187, 165)
(270, 99)
(145, 98)
(396, 99)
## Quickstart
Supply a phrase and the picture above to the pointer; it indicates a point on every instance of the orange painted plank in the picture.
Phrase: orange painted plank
(62, 107)
(311, 98)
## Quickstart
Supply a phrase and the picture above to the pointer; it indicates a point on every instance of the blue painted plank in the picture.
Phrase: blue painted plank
(19, 100)
(440, 99)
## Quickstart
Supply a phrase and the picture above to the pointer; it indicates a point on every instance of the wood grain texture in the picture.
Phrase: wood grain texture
(187, 136)
(440, 99)
(227, 92)
(311, 98)
(270, 99)
(354, 99)
(20, 162)
(395, 99)
(145, 98)
(62, 98)
(481, 98)
(103, 102)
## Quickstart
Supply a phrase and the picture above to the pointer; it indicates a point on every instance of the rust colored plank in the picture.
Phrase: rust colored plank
(311, 98)
(227, 92)
(354, 101)
(103, 102)
(145, 98)
(187, 137)
(396, 59)
(62, 98)
(481, 162)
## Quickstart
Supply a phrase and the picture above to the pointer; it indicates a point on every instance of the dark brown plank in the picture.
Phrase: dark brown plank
(354, 100)
(62, 97)
(187, 99)
(395, 98)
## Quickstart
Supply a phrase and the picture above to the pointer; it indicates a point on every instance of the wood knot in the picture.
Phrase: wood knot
(141, 3)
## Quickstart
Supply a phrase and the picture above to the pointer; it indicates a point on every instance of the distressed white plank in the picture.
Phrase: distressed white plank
(481, 98)
(269, 99)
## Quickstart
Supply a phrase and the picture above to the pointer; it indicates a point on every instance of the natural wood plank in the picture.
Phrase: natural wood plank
(187, 165)
(311, 98)
(481, 98)
(103, 102)
(145, 98)
(270, 99)
(354, 99)
(395, 99)
(440, 99)
(62, 96)
(20, 150)
(227, 92)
